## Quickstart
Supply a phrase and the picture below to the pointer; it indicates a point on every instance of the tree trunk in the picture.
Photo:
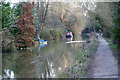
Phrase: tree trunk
(42, 12)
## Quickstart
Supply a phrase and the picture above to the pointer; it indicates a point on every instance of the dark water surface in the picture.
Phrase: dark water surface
(46, 61)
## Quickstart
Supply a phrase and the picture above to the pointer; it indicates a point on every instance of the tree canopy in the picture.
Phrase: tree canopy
(8, 15)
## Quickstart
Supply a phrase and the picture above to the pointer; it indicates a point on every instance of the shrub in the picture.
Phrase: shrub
(25, 24)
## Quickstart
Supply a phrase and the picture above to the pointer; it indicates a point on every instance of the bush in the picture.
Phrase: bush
(8, 15)
(51, 33)
(116, 35)
(107, 34)
(116, 21)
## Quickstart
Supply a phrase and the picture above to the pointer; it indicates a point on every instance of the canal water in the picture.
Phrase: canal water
(43, 61)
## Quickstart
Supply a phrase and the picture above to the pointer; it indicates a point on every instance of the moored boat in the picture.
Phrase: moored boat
(42, 41)
(69, 36)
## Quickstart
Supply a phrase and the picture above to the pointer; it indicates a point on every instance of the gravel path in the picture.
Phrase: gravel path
(104, 65)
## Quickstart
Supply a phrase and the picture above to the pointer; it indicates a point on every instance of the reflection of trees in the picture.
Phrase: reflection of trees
(43, 62)
(52, 61)
(41, 66)
(67, 58)
(24, 60)
(8, 62)
(19, 63)
(76, 46)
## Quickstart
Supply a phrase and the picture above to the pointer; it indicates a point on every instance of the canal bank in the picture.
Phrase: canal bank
(83, 58)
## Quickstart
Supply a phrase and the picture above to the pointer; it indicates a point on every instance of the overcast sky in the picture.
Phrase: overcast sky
(12, 1)
(15, 1)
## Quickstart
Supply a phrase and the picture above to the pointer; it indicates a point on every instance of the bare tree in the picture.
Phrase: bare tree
(42, 9)
(67, 18)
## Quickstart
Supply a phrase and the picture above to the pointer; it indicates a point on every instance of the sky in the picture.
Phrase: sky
(15, 1)
(12, 1)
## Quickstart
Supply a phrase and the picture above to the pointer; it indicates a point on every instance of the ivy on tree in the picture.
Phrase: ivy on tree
(8, 15)
(116, 21)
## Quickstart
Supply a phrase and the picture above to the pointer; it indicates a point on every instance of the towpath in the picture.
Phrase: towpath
(103, 65)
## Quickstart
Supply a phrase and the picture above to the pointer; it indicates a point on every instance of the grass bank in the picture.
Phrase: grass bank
(113, 47)
(82, 59)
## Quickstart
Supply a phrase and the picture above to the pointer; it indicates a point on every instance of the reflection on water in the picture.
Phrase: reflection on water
(0, 77)
(43, 45)
(47, 61)
(8, 74)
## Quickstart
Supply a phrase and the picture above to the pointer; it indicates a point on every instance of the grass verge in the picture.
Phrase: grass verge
(82, 59)
(113, 47)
